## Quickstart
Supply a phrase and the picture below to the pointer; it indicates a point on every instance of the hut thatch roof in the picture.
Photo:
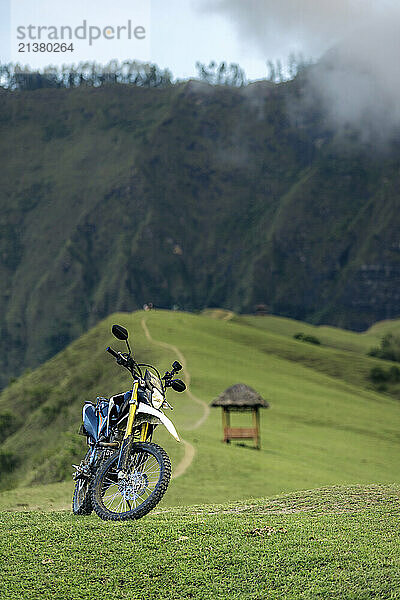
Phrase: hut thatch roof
(240, 395)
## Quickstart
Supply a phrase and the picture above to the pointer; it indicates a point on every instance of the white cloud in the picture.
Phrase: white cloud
(359, 81)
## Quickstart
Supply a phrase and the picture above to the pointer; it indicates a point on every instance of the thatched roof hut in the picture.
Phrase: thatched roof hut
(240, 396)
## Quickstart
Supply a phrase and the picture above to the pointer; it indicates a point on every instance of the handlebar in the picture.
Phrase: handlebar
(176, 366)
(111, 351)
(121, 359)
(124, 360)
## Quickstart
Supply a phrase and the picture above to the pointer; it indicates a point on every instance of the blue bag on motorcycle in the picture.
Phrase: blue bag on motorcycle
(95, 418)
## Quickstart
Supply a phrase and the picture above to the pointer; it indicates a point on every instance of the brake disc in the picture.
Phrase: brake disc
(133, 486)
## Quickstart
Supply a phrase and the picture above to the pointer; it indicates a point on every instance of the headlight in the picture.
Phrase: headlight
(156, 398)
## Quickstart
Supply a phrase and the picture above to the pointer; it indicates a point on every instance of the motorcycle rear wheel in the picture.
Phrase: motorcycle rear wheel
(81, 500)
(145, 481)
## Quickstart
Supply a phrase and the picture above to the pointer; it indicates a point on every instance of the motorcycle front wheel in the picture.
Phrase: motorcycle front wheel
(136, 491)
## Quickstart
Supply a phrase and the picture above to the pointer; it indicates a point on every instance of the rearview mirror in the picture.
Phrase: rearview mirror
(178, 385)
(119, 332)
(176, 366)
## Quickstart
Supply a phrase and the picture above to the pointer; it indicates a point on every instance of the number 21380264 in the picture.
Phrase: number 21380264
(45, 47)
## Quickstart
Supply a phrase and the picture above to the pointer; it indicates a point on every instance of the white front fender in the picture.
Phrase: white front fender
(146, 409)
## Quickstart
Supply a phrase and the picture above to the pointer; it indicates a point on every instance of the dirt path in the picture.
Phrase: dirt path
(189, 449)
(229, 315)
(186, 460)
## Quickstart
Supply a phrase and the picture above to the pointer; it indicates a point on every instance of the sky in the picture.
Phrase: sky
(178, 33)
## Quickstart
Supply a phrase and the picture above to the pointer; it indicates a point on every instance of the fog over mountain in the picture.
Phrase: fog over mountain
(358, 76)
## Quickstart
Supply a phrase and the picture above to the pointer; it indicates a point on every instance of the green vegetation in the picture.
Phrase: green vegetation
(323, 408)
(329, 543)
(377, 374)
(331, 337)
(389, 348)
(303, 337)
(43, 498)
(130, 72)
(325, 427)
(136, 73)
(189, 195)
(386, 380)
(7, 425)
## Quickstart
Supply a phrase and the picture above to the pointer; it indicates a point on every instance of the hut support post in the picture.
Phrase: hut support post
(256, 426)
(226, 423)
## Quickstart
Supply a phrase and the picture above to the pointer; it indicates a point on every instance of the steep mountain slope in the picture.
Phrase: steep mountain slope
(325, 425)
(188, 195)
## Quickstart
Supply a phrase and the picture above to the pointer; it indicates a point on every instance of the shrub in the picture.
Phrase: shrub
(7, 425)
(389, 348)
(304, 337)
(379, 375)
(8, 462)
(394, 374)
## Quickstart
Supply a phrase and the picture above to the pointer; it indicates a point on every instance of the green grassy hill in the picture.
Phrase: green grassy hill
(190, 195)
(326, 425)
(330, 543)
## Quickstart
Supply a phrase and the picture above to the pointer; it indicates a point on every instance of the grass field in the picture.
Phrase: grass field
(339, 542)
(325, 426)
(228, 533)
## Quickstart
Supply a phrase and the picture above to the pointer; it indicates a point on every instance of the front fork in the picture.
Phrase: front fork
(128, 438)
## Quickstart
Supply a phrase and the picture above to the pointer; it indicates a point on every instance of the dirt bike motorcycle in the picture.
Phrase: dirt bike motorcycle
(124, 474)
